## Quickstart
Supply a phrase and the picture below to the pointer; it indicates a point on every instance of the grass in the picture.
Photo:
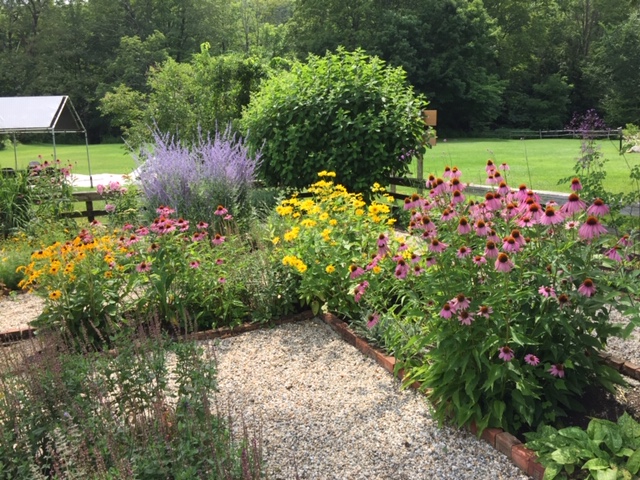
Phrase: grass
(107, 158)
(537, 163)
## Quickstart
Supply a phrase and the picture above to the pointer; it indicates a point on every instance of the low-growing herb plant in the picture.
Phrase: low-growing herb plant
(604, 451)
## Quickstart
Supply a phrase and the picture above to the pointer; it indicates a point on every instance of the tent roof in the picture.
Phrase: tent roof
(39, 115)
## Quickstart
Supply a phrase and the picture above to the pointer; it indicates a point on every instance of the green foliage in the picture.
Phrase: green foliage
(128, 413)
(15, 205)
(185, 98)
(346, 112)
(607, 450)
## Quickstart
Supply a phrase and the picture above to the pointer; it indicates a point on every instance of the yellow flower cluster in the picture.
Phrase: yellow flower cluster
(62, 258)
(295, 262)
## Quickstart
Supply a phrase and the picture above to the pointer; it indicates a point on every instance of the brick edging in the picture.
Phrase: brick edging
(16, 335)
(521, 456)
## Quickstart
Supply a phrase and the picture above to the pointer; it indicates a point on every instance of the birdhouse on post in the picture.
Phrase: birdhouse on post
(431, 121)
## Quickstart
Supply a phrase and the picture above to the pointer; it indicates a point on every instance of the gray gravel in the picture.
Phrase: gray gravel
(629, 349)
(328, 412)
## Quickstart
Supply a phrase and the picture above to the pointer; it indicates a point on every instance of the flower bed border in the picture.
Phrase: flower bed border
(521, 456)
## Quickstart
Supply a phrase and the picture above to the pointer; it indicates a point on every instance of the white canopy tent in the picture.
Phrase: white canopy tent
(48, 114)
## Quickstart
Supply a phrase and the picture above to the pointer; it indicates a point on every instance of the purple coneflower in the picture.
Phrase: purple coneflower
(510, 245)
(202, 225)
(491, 251)
(485, 311)
(504, 167)
(218, 239)
(573, 205)
(465, 317)
(481, 228)
(199, 236)
(587, 288)
(194, 264)
(222, 280)
(551, 217)
(463, 252)
(356, 271)
(547, 292)
(563, 300)
(418, 270)
(503, 263)
(506, 353)
(446, 311)
(220, 211)
(531, 359)
(463, 226)
(460, 302)
(598, 208)
(613, 254)
(479, 260)
(401, 269)
(372, 320)
(143, 267)
(436, 246)
(557, 370)
(576, 185)
(591, 228)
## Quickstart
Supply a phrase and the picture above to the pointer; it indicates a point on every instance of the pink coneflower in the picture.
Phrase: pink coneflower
(525, 221)
(182, 225)
(625, 241)
(131, 240)
(154, 247)
(587, 288)
(415, 258)
(457, 197)
(446, 311)
(202, 225)
(127, 226)
(535, 211)
(142, 231)
(218, 239)
(465, 317)
(96, 223)
(571, 225)
(372, 320)
(490, 166)
(491, 202)
(402, 247)
(510, 245)
(463, 251)
(431, 181)
(356, 271)
(359, 290)
(401, 269)
(613, 254)
(503, 188)
(485, 311)
(459, 302)
(531, 359)
(598, 208)
(504, 167)
(491, 179)
(506, 353)
(436, 246)
(109, 208)
(515, 233)
(591, 228)
(374, 262)
(418, 270)
(164, 211)
(456, 172)
(574, 205)
(463, 226)
(521, 194)
(143, 267)
(194, 264)
(383, 248)
(510, 211)
(228, 217)
(219, 261)
(431, 261)
(447, 214)
(493, 236)
(563, 300)
(557, 370)
(479, 260)
(491, 251)
(547, 292)
(447, 172)
(576, 185)
(440, 187)
(503, 263)
(199, 236)
(481, 228)
(222, 280)
(220, 211)
(456, 185)
(551, 217)
(427, 224)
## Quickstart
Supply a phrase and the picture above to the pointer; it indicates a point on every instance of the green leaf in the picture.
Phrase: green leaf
(633, 464)
(565, 456)
(596, 464)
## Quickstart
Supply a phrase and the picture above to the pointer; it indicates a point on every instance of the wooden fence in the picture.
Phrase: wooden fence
(88, 198)
(418, 185)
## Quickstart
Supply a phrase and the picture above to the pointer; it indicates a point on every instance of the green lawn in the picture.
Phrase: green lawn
(110, 158)
(538, 163)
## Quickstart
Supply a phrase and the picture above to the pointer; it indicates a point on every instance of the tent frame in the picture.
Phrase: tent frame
(64, 103)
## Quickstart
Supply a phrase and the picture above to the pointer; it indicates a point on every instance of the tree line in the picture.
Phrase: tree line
(484, 64)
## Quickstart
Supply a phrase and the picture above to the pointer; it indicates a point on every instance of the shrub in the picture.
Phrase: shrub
(194, 180)
(345, 112)
(121, 202)
(144, 410)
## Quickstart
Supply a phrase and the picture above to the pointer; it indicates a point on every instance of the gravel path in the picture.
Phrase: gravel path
(17, 311)
(328, 412)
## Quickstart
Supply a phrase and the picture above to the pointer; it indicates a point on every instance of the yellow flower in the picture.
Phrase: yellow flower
(333, 222)
(275, 240)
(324, 173)
(359, 212)
(108, 274)
(292, 234)
(391, 221)
(326, 234)
(330, 269)
(307, 222)
(296, 215)
(54, 268)
(55, 295)
(324, 217)
(376, 269)
(284, 210)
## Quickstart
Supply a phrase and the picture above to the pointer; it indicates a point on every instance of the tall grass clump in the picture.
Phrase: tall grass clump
(194, 179)
(145, 410)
